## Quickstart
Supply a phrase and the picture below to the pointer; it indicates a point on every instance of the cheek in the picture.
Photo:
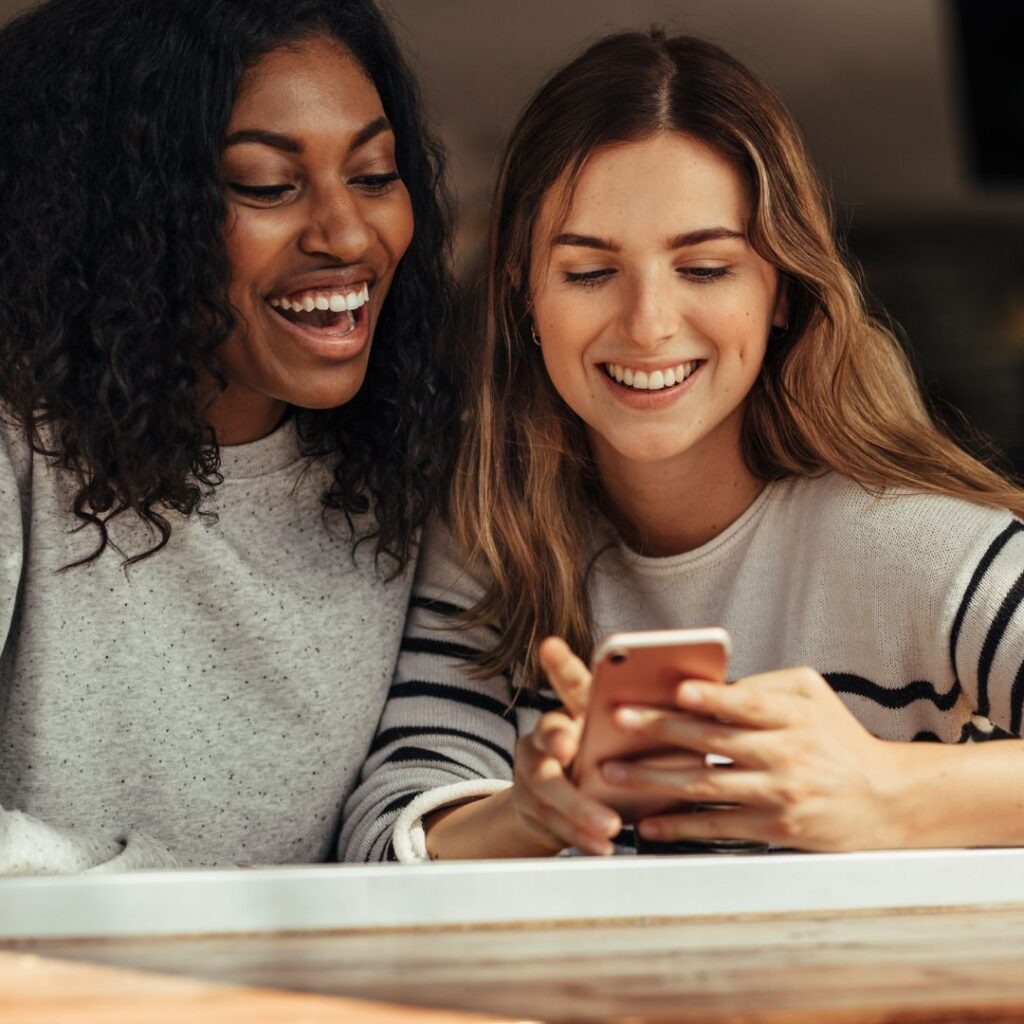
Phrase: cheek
(250, 243)
(395, 225)
(740, 330)
(568, 321)
(752, 342)
(565, 326)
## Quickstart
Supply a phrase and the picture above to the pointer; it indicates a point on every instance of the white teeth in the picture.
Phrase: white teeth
(654, 380)
(335, 301)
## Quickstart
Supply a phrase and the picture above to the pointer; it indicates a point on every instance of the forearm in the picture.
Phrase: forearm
(962, 795)
(484, 829)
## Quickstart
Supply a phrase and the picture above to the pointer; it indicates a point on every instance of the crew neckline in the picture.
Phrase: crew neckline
(278, 450)
(710, 551)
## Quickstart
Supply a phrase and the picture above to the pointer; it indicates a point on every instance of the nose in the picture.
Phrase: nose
(336, 226)
(655, 314)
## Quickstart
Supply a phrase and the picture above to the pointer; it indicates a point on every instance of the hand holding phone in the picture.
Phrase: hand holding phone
(641, 669)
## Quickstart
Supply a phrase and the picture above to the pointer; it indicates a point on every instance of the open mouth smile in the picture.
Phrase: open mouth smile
(652, 380)
(333, 312)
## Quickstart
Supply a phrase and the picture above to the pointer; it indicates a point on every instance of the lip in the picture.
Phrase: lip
(634, 399)
(320, 343)
(324, 280)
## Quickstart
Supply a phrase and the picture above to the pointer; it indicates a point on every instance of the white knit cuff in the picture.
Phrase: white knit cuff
(408, 839)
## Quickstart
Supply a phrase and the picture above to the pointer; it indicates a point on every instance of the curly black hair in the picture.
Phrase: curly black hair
(114, 271)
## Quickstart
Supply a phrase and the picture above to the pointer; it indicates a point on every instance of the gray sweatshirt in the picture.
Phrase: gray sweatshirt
(211, 706)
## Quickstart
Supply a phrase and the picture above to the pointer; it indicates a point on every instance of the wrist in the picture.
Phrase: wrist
(897, 792)
(485, 828)
(932, 801)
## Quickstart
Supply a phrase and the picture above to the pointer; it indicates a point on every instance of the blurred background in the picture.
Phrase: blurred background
(913, 109)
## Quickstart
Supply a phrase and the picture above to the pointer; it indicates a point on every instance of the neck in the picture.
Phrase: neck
(238, 417)
(679, 504)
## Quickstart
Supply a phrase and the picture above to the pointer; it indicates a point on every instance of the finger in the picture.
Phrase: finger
(691, 785)
(578, 820)
(744, 703)
(730, 823)
(557, 807)
(562, 834)
(682, 760)
(558, 736)
(568, 676)
(697, 733)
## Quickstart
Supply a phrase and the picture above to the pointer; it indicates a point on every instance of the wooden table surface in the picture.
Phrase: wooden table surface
(868, 967)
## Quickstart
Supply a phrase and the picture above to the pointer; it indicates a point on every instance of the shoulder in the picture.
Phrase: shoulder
(15, 455)
(906, 551)
(446, 572)
(898, 525)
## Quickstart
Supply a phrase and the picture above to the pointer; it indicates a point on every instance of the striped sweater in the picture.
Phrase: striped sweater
(909, 605)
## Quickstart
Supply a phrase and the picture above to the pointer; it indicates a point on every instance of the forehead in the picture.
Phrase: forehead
(317, 81)
(666, 184)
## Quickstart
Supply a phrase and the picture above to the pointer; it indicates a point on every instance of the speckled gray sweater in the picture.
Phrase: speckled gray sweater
(213, 706)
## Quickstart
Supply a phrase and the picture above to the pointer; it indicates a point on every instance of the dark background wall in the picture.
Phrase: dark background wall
(880, 89)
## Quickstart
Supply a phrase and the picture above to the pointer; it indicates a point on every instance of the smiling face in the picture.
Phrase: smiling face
(652, 308)
(317, 222)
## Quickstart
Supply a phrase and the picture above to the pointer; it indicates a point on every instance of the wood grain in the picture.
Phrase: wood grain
(870, 968)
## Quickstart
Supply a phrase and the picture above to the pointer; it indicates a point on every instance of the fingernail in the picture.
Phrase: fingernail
(689, 694)
(615, 772)
(598, 847)
(650, 830)
(630, 718)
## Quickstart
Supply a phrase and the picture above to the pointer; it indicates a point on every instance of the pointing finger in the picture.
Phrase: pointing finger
(568, 676)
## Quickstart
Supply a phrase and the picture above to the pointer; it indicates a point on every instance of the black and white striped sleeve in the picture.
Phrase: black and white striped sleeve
(987, 633)
(444, 736)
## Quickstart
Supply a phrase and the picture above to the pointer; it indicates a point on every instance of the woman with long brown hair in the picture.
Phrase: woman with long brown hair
(680, 413)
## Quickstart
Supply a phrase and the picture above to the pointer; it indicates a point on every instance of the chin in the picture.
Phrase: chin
(651, 450)
(328, 394)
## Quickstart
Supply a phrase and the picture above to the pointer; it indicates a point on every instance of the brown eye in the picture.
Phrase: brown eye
(704, 275)
(376, 184)
(588, 278)
(268, 193)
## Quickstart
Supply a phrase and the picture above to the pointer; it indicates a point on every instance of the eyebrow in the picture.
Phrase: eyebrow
(288, 144)
(675, 242)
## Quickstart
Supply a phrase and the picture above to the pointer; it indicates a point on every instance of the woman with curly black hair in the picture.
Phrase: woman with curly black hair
(210, 489)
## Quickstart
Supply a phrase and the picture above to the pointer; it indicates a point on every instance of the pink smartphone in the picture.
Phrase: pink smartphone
(640, 669)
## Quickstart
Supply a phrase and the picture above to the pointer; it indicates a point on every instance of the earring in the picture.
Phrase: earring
(534, 334)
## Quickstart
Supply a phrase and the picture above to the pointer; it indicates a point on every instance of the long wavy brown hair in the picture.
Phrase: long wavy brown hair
(836, 391)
